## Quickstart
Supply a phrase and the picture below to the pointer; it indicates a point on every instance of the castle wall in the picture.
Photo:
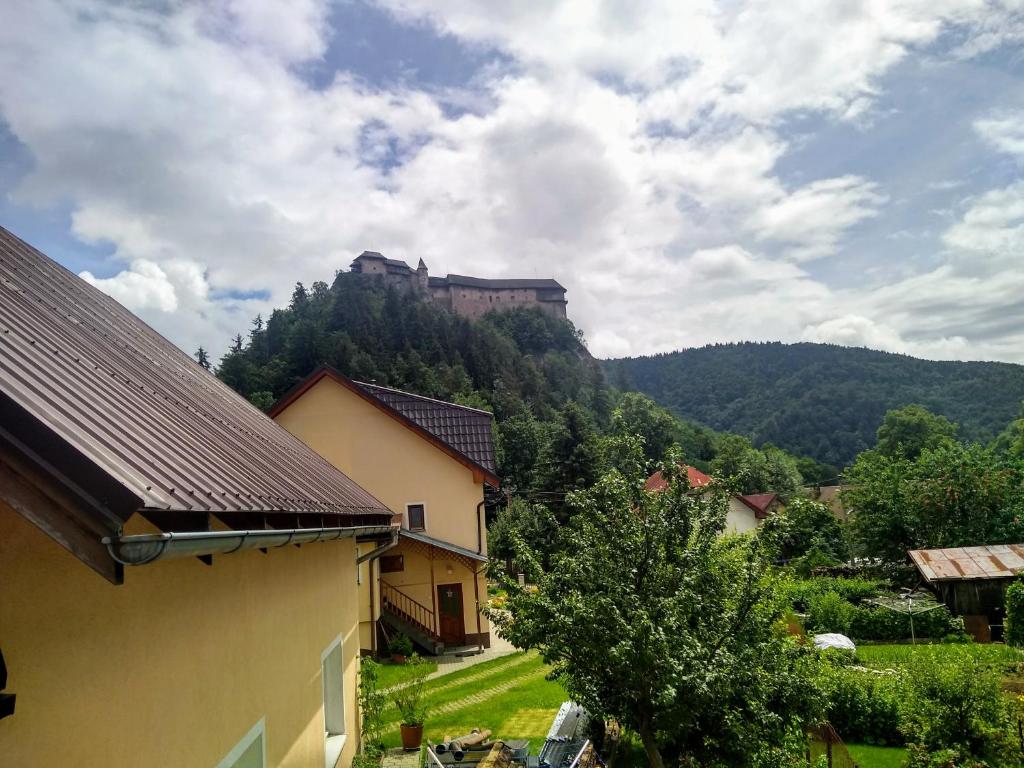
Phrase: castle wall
(474, 303)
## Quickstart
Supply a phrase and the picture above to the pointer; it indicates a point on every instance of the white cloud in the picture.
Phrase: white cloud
(813, 219)
(631, 151)
(144, 286)
(1004, 130)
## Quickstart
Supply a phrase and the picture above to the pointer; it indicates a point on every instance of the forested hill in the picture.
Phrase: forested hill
(820, 400)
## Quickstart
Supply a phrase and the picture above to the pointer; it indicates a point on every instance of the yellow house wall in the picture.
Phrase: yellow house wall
(388, 459)
(414, 581)
(176, 665)
(740, 518)
(399, 467)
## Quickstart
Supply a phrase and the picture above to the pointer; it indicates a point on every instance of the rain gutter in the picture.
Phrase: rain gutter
(376, 552)
(150, 547)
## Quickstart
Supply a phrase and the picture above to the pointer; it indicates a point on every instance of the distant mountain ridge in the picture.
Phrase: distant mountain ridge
(820, 400)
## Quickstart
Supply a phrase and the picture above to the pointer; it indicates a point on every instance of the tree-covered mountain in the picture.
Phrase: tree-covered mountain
(554, 411)
(820, 400)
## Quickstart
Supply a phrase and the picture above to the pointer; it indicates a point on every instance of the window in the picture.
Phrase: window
(392, 563)
(334, 703)
(416, 516)
(249, 752)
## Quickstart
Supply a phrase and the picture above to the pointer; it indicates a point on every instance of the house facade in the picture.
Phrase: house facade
(178, 574)
(745, 512)
(429, 461)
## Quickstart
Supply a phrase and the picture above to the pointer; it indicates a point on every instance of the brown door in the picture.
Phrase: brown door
(449, 610)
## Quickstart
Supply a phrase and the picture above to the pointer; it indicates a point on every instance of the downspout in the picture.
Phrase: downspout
(480, 527)
(149, 548)
(476, 574)
(370, 557)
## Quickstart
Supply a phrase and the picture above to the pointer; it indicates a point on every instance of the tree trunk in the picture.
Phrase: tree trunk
(650, 745)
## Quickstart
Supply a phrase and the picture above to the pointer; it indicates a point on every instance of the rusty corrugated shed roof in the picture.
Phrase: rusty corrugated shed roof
(142, 410)
(467, 430)
(996, 561)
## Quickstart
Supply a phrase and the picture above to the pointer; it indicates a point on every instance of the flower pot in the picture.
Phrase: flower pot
(398, 658)
(412, 736)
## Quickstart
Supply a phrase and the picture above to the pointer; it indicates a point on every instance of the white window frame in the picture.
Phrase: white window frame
(258, 731)
(334, 742)
(423, 504)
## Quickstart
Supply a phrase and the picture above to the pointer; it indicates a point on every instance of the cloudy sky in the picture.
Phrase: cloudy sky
(692, 171)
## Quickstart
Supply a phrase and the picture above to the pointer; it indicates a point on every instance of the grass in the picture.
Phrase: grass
(524, 707)
(877, 757)
(392, 674)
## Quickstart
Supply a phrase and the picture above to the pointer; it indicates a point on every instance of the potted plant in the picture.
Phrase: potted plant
(409, 700)
(401, 649)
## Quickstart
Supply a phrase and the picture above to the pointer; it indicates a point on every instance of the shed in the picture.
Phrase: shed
(972, 582)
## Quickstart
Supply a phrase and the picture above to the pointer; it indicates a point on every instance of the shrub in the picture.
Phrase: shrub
(371, 705)
(873, 623)
(863, 706)
(410, 698)
(800, 592)
(830, 613)
(1015, 614)
(954, 703)
(401, 646)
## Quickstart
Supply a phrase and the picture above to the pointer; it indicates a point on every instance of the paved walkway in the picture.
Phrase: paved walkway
(398, 758)
(448, 663)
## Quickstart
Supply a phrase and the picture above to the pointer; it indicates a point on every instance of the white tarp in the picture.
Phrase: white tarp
(834, 640)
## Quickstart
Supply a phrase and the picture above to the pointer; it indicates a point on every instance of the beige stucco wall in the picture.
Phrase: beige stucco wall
(740, 517)
(415, 581)
(399, 467)
(388, 459)
(176, 665)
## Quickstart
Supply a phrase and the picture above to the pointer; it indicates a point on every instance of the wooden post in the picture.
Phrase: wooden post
(476, 596)
(433, 592)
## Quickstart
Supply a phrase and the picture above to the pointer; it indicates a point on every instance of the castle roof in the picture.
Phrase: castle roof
(485, 282)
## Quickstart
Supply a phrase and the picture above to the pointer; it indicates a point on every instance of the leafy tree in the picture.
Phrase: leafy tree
(637, 414)
(650, 615)
(519, 525)
(749, 470)
(810, 525)
(953, 495)
(909, 430)
(573, 458)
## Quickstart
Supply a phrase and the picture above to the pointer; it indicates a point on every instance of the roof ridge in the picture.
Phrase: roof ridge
(424, 397)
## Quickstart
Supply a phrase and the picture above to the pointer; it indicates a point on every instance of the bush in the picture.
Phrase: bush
(873, 623)
(410, 698)
(800, 592)
(401, 646)
(1015, 614)
(830, 613)
(863, 706)
(955, 704)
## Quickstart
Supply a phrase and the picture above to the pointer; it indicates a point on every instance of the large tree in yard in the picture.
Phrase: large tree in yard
(649, 615)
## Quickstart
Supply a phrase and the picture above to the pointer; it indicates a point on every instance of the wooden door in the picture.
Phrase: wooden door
(450, 619)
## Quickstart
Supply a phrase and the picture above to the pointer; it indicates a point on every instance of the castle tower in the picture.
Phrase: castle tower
(422, 277)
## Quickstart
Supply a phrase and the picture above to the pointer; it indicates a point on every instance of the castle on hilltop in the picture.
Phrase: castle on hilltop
(471, 297)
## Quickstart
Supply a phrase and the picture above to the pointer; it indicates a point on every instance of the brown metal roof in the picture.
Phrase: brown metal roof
(143, 411)
(467, 430)
(996, 561)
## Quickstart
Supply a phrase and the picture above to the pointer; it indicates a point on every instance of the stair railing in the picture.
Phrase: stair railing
(405, 607)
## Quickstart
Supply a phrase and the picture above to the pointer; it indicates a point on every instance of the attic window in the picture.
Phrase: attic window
(416, 517)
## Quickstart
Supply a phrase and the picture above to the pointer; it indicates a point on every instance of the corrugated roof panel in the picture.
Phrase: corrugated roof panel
(998, 561)
(142, 410)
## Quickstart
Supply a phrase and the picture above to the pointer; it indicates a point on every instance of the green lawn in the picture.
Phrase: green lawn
(877, 757)
(509, 696)
(900, 654)
(392, 674)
